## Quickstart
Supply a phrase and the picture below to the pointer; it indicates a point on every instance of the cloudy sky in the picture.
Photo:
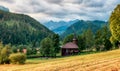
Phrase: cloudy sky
(45, 10)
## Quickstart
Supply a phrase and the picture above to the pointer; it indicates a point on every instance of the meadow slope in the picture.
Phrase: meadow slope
(104, 61)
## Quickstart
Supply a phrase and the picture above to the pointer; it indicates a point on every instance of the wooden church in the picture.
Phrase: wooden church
(70, 48)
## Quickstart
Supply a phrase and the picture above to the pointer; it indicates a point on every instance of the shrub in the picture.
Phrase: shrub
(4, 54)
(1, 47)
(17, 58)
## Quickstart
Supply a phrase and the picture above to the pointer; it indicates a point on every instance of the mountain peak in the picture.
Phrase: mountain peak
(59, 26)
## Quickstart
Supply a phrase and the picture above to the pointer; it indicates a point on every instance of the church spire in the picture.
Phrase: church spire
(74, 39)
(74, 36)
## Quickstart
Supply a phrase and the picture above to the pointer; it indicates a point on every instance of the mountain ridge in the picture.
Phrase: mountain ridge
(80, 26)
(60, 26)
(21, 29)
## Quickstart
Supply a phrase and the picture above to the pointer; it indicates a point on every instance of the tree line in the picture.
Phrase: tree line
(89, 41)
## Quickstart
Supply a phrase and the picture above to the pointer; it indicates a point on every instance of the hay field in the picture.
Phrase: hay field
(105, 61)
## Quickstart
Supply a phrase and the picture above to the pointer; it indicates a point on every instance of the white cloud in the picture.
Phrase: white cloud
(45, 10)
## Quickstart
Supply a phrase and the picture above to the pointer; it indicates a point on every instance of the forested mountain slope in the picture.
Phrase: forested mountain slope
(21, 29)
(80, 26)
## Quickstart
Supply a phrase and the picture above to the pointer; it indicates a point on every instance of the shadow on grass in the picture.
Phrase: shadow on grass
(41, 59)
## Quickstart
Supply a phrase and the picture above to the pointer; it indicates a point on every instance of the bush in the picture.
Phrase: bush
(4, 54)
(1, 47)
(17, 58)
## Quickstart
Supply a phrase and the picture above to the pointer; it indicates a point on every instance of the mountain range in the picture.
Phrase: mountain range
(60, 26)
(80, 26)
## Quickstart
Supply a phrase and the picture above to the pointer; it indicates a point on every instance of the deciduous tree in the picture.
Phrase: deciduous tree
(115, 23)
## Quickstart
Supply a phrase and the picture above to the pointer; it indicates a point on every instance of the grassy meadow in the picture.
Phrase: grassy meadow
(104, 61)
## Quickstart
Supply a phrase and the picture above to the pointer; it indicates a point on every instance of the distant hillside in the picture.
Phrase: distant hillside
(4, 9)
(81, 26)
(60, 30)
(59, 27)
(21, 29)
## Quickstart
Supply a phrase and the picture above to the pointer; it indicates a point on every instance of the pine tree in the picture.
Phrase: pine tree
(89, 39)
(102, 37)
(55, 40)
(68, 38)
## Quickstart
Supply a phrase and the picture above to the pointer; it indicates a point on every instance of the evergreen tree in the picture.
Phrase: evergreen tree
(107, 44)
(89, 39)
(81, 42)
(55, 40)
(102, 37)
(68, 38)
(98, 40)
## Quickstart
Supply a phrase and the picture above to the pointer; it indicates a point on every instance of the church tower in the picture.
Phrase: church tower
(75, 39)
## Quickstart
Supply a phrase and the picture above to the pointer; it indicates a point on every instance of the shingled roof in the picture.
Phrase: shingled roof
(70, 45)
